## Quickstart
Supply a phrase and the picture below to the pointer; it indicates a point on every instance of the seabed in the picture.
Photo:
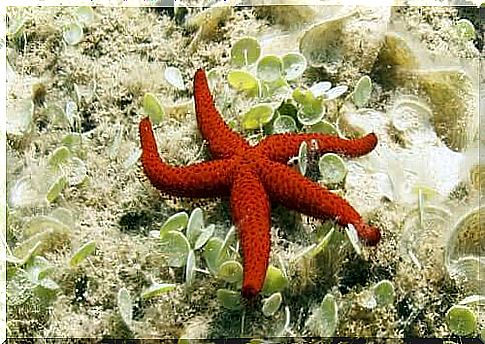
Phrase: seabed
(84, 253)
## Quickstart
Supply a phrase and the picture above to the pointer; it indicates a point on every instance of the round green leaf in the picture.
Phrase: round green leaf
(153, 108)
(303, 157)
(190, 269)
(284, 124)
(56, 115)
(85, 14)
(322, 244)
(46, 270)
(335, 92)
(43, 223)
(81, 254)
(76, 171)
(362, 91)
(287, 108)
(73, 33)
(23, 249)
(55, 189)
(329, 315)
(63, 215)
(29, 254)
(246, 51)
(332, 168)
(270, 68)
(275, 280)
(125, 306)
(48, 283)
(176, 247)
(324, 127)
(230, 271)
(311, 108)
(319, 89)
(294, 64)
(229, 299)
(204, 236)
(214, 254)
(176, 222)
(157, 289)
(243, 81)
(257, 116)
(39, 265)
(42, 232)
(461, 320)
(384, 292)
(195, 225)
(60, 156)
(354, 238)
(311, 112)
(299, 95)
(278, 89)
(174, 78)
(72, 140)
(465, 29)
(228, 239)
(272, 304)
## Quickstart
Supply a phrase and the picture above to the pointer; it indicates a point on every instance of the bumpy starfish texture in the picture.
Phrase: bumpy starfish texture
(253, 177)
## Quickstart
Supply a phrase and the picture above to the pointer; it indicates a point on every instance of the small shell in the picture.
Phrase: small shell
(464, 251)
(415, 110)
(411, 117)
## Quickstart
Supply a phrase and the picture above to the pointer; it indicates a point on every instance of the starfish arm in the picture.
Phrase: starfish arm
(296, 192)
(223, 142)
(251, 214)
(207, 179)
(282, 147)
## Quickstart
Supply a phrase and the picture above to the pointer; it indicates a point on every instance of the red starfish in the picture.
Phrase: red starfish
(252, 177)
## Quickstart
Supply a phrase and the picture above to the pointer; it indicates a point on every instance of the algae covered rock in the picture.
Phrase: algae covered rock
(277, 11)
(450, 89)
(453, 100)
(350, 39)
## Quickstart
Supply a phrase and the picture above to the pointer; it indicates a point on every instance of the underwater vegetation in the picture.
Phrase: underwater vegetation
(94, 251)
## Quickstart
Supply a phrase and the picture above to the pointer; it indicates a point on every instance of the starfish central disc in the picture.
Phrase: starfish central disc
(252, 178)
